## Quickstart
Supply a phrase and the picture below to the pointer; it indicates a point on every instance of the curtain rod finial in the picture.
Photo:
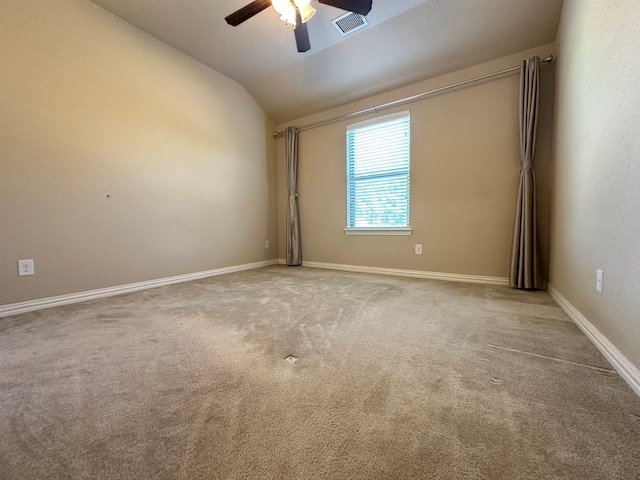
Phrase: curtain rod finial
(549, 59)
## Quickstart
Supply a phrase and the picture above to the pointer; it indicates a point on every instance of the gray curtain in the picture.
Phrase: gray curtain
(525, 258)
(294, 253)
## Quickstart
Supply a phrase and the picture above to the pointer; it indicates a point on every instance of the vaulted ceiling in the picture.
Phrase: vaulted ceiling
(405, 41)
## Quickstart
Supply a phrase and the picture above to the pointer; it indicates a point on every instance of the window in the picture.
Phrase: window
(378, 158)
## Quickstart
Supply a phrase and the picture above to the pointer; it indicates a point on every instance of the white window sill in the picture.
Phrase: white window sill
(378, 231)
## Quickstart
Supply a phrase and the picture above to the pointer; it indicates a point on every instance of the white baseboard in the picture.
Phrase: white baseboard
(397, 272)
(39, 304)
(622, 365)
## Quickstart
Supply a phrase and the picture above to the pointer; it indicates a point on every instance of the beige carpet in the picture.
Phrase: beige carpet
(394, 379)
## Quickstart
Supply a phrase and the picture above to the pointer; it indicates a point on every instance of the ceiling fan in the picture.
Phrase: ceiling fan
(297, 13)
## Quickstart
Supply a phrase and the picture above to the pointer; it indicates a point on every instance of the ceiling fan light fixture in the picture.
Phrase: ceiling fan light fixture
(281, 6)
(289, 19)
(306, 13)
(287, 10)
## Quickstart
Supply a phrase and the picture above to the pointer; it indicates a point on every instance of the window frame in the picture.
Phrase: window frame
(379, 230)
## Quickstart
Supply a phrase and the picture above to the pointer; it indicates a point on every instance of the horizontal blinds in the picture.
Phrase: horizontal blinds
(378, 158)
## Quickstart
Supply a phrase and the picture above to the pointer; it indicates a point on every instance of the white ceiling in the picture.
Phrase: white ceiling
(406, 41)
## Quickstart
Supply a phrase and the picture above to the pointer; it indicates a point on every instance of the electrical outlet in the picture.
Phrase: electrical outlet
(266, 244)
(418, 249)
(26, 267)
(599, 280)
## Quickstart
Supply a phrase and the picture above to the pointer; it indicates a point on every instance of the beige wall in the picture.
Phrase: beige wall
(596, 215)
(464, 177)
(90, 107)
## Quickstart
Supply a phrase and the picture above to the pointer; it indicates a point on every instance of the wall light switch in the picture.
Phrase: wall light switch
(26, 267)
(266, 244)
(599, 280)
(418, 249)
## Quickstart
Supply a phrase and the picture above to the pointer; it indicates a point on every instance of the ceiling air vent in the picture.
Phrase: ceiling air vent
(349, 23)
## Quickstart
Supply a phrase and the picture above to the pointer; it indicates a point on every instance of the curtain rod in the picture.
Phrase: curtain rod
(410, 99)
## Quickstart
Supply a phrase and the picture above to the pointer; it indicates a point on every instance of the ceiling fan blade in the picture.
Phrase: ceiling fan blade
(302, 34)
(361, 7)
(246, 12)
